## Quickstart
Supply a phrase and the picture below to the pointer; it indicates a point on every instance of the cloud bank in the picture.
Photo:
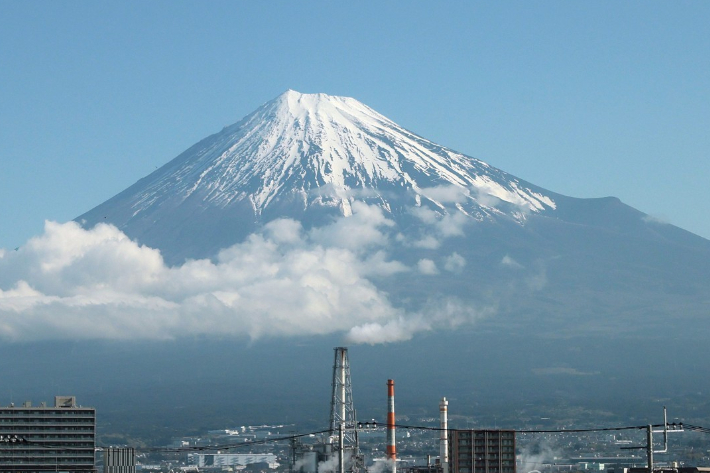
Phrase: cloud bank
(75, 283)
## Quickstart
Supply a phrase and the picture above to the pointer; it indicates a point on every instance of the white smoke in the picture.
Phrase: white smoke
(536, 454)
(384, 465)
(332, 464)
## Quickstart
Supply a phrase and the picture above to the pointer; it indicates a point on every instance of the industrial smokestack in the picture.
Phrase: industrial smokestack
(391, 447)
(444, 437)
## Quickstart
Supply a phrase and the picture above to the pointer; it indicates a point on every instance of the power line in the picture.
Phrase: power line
(533, 431)
(697, 428)
(233, 446)
(228, 446)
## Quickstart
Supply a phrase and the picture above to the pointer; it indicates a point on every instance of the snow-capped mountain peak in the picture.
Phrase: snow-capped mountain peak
(308, 157)
(325, 149)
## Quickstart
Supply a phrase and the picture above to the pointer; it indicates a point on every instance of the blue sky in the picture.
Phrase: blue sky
(587, 99)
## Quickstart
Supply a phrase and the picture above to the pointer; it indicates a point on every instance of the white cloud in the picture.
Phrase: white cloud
(396, 330)
(656, 219)
(427, 266)
(377, 264)
(537, 280)
(446, 194)
(454, 263)
(428, 243)
(438, 226)
(73, 283)
(510, 262)
(453, 224)
(76, 283)
(426, 215)
(444, 313)
(560, 370)
(284, 230)
(361, 230)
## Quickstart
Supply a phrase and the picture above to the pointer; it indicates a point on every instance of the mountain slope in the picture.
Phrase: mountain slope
(306, 156)
(463, 228)
(514, 296)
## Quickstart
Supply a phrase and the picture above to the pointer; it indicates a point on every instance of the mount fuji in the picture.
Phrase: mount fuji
(309, 157)
(316, 218)
(527, 253)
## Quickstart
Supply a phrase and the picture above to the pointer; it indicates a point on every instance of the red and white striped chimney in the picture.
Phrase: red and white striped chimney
(391, 446)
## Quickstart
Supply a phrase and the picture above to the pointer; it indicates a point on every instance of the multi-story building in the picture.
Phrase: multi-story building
(43, 439)
(482, 451)
(220, 460)
(119, 460)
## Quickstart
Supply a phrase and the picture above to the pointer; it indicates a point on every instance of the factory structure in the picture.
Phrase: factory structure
(460, 451)
(341, 448)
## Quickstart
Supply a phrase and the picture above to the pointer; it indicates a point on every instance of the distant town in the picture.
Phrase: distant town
(63, 437)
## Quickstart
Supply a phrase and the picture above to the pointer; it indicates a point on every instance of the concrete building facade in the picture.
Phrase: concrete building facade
(119, 460)
(43, 439)
(482, 451)
(220, 460)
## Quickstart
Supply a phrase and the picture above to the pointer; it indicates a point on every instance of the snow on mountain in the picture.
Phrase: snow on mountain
(311, 157)
(317, 150)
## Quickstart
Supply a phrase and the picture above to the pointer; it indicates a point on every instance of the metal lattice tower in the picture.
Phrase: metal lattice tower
(342, 410)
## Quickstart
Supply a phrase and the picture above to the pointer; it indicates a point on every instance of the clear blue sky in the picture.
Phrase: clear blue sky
(587, 99)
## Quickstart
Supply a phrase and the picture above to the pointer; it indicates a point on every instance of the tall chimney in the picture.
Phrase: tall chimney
(391, 446)
(444, 437)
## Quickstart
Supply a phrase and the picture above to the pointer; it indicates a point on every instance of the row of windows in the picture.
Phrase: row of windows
(47, 428)
(48, 412)
(482, 461)
(491, 448)
(55, 420)
(22, 447)
(491, 442)
(58, 438)
(47, 458)
(483, 444)
(44, 455)
(481, 452)
(490, 469)
(47, 420)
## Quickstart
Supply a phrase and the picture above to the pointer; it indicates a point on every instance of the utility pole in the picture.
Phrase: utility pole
(649, 447)
(649, 439)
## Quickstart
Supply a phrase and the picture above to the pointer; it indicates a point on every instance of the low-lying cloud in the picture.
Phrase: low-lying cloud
(442, 313)
(562, 371)
(74, 283)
